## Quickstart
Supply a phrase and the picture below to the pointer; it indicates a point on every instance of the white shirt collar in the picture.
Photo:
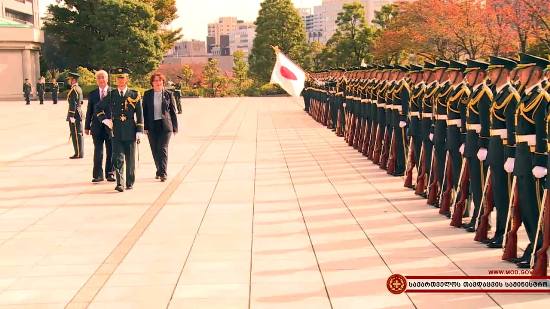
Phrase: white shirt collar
(499, 89)
(123, 90)
(477, 86)
(103, 90)
(528, 90)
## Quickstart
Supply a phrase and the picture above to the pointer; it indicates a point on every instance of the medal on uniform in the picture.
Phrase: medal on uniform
(123, 118)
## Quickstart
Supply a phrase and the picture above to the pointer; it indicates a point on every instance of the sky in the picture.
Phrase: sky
(194, 15)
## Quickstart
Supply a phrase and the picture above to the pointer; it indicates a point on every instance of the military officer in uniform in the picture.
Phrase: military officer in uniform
(177, 94)
(530, 165)
(122, 111)
(27, 90)
(477, 134)
(41, 89)
(55, 91)
(74, 116)
(502, 117)
(415, 129)
(400, 116)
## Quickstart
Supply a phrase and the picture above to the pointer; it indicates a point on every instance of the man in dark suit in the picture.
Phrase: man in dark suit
(100, 133)
(160, 120)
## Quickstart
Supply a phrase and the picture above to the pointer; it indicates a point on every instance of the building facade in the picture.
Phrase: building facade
(227, 34)
(242, 39)
(187, 49)
(321, 23)
(20, 42)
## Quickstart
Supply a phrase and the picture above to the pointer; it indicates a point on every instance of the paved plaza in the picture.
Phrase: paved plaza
(263, 208)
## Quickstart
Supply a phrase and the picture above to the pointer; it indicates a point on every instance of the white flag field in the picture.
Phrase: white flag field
(288, 75)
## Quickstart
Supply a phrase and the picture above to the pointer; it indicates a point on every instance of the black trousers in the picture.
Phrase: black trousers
(124, 152)
(28, 98)
(477, 179)
(177, 96)
(306, 102)
(76, 136)
(400, 145)
(41, 97)
(99, 141)
(158, 140)
(54, 98)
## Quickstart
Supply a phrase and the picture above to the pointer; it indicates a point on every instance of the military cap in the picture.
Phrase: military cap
(501, 62)
(415, 68)
(476, 65)
(74, 75)
(457, 65)
(441, 64)
(121, 72)
(527, 60)
(428, 65)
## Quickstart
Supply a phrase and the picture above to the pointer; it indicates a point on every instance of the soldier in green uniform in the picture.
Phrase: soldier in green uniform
(530, 165)
(74, 116)
(456, 124)
(55, 91)
(177, 94)
(415, 129)
(400, 112)
(502, 117)
(477, 136)
(41, 89)
(27, 89)
(122, 111)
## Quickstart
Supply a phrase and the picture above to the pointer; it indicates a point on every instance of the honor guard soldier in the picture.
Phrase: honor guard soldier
(74, 115)
(41, 89)
(177, 94)
(122, 111)
(401, 99)
(502, 141)
(55, 91)
(456, 128)
(27, 89)
(477, 135)
(414, 129)
(531, 148)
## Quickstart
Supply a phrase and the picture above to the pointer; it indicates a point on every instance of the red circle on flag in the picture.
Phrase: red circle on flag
(286, 73)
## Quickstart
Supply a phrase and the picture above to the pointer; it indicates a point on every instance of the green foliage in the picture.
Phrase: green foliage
(278, 24)
(383, 17)
(241, 81)
(107, 33)
(352, 40)
(187, 77)
(212, 76)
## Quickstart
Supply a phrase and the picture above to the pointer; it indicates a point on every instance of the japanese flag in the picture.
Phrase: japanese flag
(288, 75)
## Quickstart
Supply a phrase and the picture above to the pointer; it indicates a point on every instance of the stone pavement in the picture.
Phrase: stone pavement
(264, 208)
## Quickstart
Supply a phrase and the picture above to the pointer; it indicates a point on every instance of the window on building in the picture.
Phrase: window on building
(19, 17)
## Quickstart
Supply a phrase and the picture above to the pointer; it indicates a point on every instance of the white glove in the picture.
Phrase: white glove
(72, 119)
(461, 149)
(431, 136)
(108, 123)
(138, 136)
(509, 165)
(402, 124)
(482, 154)
(539, 171)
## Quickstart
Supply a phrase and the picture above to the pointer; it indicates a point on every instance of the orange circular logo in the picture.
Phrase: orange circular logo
(396, 284)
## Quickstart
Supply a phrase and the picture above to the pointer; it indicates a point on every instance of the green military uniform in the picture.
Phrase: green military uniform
(124, 108)
(502, 117)
(177, 95)
(531, 151)
(456, 122)
(27, 89)
(439, 106)
(387, 99)
(415, 125)
(75, 118)
(401, 97)
(55, 92)
(477, 136)
(40, 90)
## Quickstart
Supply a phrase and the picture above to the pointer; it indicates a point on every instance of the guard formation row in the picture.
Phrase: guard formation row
(468, 137)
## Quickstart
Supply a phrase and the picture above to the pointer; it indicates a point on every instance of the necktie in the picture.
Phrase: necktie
(102, 95)
(121, 93)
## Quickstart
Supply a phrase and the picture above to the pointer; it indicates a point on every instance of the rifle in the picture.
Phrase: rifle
(392, 154)
(541, 263)
(378, 145)
(421, 177)
(410, 165)
(366, 138)
(460, 199)
(434, 185)
(372, 141)
(487, 205)
(445, 197)
(513, 222)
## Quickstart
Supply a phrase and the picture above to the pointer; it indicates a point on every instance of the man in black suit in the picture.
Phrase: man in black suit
(160, 120)
(100, 133)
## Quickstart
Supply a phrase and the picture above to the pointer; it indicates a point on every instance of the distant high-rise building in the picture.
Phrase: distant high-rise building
(228, 35)
(20, 41)
(242, 39)
(187, 49)
(321, 23)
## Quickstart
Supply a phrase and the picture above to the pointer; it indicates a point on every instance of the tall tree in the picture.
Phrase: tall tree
(107, 33)
(241, 81)
(212, 76)
(384, 17)
(165, 14)
(186, 76)
(278, 24)
(353, 38)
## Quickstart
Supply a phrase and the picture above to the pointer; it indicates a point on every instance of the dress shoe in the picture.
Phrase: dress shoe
(471, 229)
(129, 187)
(524, 264)
(111, 178)
(466, 225)
(95, 180)
(162, 178)
(157, 177)
(119, 188)
(398, 174)
(424, 194)
(75, 157)
(494, 245)
(487, 241)
(517, 260)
